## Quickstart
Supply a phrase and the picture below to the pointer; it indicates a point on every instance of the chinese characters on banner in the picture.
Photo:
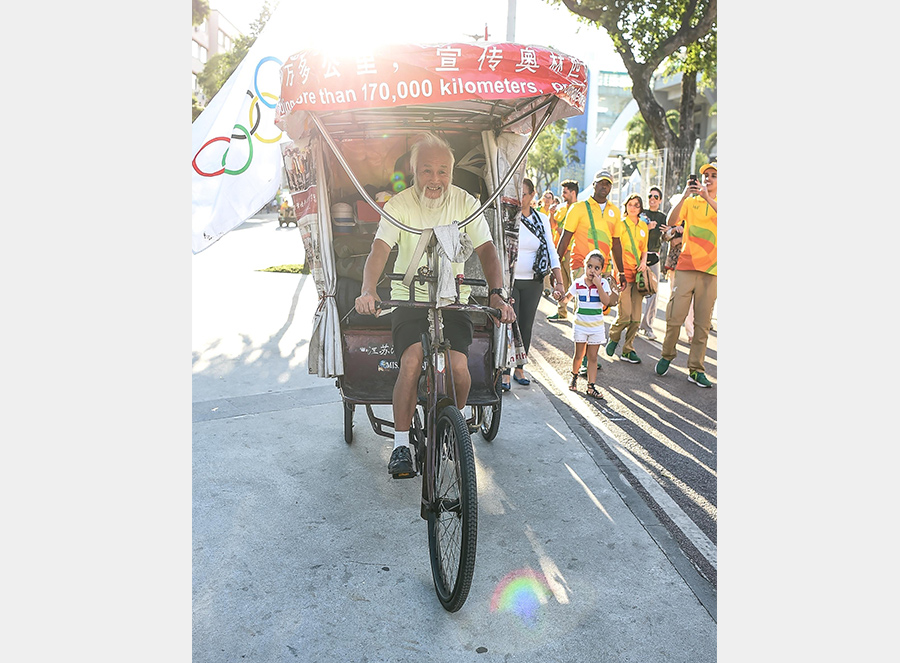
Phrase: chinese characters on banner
(411, 74)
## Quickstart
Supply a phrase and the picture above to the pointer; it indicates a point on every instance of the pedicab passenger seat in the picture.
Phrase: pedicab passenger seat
(370, 367)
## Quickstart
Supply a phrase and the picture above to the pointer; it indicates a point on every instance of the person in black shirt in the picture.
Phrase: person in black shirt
(656, 221)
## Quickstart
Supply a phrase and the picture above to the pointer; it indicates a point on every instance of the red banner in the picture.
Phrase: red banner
(388, 76)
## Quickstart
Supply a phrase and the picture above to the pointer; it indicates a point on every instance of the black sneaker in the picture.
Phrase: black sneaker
(401, 466)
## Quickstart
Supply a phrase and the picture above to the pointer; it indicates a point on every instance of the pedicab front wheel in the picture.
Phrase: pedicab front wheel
(453, 517)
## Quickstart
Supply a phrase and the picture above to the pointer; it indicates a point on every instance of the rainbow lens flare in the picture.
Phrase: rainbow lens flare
(398, 181)
(522, 593)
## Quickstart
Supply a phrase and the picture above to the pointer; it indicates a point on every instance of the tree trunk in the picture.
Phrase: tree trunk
(678, 155)
(678, 160)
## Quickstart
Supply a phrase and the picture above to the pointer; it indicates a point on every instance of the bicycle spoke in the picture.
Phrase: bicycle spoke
(448, 518)
(453, 519)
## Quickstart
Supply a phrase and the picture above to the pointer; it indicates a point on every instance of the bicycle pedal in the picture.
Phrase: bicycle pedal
(404, 475)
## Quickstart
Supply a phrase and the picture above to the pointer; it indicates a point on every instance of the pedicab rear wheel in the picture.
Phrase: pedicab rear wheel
(348, 422)
(490, 420)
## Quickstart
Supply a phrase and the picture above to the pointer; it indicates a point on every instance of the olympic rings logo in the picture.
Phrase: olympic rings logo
(255, 100)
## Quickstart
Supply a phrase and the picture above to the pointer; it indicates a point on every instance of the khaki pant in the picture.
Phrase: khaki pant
(650, 304)
(702, 288)
(629, 318)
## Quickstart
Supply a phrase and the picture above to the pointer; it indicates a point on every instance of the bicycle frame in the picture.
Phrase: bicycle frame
(440, 388)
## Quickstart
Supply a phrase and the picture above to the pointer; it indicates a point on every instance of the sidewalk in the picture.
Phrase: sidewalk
(304, 549)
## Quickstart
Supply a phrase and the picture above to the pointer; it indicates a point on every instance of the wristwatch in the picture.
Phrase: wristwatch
(502, 292)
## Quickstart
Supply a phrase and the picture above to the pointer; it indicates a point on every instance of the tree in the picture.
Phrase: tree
(648, 34)
(196, 108)
(639, 139)
(712, 140)
(220, 66)
(545, 158)
(200, 9)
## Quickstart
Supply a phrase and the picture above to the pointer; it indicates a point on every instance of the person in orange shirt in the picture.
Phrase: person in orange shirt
(557, 223)
(629, 250)
(696, 273)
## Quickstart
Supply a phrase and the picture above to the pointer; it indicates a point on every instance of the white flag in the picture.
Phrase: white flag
(236, 163)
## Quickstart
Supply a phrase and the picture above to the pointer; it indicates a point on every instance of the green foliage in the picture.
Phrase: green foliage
(701, 158)
(639, 138)
(713, 138)
(574, 138)
(649, 31)
(220, 66)
(199, 10)
(545, 158)
(196, 108)
(214, 74)
(284, 269)
(673, 117)
(653, 36)
(699, 57)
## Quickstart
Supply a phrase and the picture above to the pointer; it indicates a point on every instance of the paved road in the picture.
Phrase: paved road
(304, 549)
(660, 430)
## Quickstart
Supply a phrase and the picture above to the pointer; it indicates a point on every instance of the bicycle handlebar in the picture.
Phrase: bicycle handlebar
(433, 279)
(392, 303)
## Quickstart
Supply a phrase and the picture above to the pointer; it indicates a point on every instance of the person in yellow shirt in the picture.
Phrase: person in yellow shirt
(629, 250)
(589, 225)
(557, 223)
(548, 208)
(696, 273)
(548, 204)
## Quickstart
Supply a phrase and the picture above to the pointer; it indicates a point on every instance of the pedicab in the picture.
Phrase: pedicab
(352, 120)
(286, 215)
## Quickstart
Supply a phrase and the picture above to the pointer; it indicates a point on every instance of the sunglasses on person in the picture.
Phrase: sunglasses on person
(653, 195)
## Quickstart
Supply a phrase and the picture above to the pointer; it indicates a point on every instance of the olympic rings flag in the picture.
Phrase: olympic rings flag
(236, 164)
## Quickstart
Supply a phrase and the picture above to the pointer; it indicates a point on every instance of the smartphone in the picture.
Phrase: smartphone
(692, 179)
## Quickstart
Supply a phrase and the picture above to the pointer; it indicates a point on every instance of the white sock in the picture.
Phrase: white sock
(401, 439)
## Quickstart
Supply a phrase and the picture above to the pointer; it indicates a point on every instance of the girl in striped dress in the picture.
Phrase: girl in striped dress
(592, 294)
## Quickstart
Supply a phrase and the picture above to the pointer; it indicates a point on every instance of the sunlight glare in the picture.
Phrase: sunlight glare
(561, 436)
(589, 492)
(553, 576)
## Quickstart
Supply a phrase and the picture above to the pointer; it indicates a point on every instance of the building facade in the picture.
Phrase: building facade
(215, 35)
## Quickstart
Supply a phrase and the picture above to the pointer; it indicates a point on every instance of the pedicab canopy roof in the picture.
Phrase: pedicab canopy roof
(413, 87)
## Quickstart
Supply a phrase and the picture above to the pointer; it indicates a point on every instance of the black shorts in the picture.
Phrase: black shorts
(408, 325)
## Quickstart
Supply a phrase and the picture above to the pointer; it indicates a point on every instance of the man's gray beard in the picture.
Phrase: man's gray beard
(431, 203)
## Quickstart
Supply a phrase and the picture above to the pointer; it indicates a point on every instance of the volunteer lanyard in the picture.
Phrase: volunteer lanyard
(634, 250)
